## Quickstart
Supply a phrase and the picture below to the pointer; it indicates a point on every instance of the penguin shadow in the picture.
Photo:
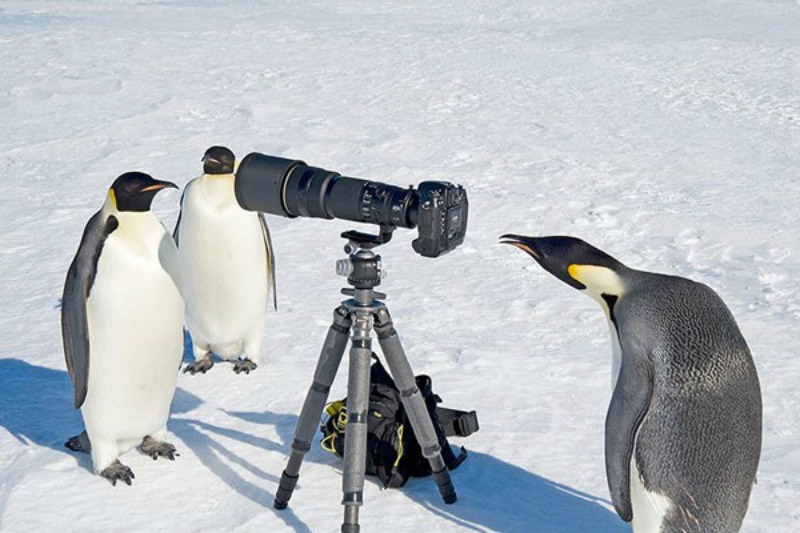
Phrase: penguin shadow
(201, 437)
(37, 404)
(188, 353)
(493, 495)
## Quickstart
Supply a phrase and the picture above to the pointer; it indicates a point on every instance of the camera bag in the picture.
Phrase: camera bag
(393, 453)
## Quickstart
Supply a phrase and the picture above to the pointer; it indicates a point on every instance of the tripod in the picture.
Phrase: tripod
(358, 316)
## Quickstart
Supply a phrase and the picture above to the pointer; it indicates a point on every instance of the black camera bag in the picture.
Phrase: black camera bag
(393, 454)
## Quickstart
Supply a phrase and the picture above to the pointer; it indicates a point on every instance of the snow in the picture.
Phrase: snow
(666, 133)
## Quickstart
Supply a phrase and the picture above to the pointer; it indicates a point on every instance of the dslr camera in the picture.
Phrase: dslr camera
(290, 188)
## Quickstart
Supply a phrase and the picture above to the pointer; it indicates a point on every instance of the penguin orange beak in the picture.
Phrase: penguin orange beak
(158, 186)
(550, 252)
(523, 243)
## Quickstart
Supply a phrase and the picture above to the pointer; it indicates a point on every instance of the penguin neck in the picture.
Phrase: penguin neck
(131, 223)
(616, 352)
(217, 183)
(606, 287)
(607, 302)
(218, 187)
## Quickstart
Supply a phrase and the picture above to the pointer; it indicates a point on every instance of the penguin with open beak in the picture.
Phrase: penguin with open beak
(683, 430)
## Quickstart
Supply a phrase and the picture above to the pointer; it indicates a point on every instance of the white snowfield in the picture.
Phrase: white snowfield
(666, 133)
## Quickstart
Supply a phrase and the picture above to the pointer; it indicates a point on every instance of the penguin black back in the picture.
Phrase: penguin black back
(701, 439)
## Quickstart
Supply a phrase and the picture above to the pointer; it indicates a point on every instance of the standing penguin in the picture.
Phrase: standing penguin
(228, 268)
(121, 323)
(683, 431)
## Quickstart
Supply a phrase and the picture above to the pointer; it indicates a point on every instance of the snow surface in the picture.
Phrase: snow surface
(667, 133)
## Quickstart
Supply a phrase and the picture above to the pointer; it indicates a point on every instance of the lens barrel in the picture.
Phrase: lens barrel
(291, 188)
(259, 183)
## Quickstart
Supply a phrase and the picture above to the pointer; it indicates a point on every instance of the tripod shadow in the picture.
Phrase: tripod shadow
(493, 495)
(215, 456)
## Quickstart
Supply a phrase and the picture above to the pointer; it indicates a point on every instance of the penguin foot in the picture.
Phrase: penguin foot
(117, 471)
(202, 366)
(245, 365)
(156, 449)
(79, 443)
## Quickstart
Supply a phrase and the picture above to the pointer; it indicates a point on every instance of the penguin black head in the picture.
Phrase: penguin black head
(218, 160)
(134, 191)
(575, 262)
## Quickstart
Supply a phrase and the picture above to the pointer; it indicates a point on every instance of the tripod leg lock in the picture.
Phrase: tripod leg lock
(301, 446)
(353, 498)
(431, 451)
(352, 501)
(445, 484)
(407, 393)
(341, 320)
(285, 488)
(384, 326)
(320, 388)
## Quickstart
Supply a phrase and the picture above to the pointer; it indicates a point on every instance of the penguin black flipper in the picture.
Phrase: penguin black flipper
(270, 260)
(78, 285)
(629, 404)
(176, 231)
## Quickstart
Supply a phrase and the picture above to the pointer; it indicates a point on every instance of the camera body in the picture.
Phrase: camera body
(291, 188)
(441, 218)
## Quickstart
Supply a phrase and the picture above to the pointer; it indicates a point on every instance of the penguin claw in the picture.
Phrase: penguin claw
(202, 366)
(117, 471)
(245, 365)
(156, 449)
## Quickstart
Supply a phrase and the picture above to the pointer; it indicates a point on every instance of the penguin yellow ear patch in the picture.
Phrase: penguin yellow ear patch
(596, 278)
(112, 197)
(574, 272)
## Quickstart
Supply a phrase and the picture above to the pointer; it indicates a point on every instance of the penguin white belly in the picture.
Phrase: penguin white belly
(649, 508)
(224, 264)
(135, 316)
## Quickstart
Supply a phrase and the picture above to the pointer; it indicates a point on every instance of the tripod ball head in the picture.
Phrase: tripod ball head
(363, 269)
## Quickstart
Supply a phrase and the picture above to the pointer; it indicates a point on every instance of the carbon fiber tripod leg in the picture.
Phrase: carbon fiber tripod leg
(329, 359)
(355, 440)
(414, 403)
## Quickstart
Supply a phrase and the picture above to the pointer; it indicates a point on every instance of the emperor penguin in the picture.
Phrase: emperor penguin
(228, 266)
(683, 430)
(122, 328)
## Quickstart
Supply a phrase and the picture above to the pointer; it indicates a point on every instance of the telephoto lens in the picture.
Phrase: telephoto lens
(293, 189)
(290, 188)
